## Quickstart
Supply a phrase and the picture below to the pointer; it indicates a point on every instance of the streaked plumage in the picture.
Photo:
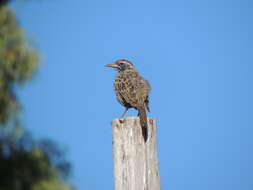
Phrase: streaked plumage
(132, 90)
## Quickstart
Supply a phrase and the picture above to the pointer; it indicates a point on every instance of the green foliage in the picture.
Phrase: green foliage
(31, 165)
(18, 62)
(51, 185)
(25, 163)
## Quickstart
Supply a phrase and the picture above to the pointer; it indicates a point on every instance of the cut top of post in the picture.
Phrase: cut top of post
(135, 162)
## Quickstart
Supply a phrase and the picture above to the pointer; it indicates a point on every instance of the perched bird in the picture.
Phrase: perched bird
(132, 91)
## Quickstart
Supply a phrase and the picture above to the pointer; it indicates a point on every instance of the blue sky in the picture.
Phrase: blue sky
(197, 56)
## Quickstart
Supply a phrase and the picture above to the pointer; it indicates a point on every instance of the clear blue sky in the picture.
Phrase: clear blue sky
(197, 56)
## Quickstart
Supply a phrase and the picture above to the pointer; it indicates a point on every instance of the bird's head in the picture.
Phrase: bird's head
(121, 65)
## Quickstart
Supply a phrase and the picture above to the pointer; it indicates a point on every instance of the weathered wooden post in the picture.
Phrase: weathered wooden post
(135, 162)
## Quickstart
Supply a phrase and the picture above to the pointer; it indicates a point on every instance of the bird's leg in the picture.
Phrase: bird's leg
(122, 115)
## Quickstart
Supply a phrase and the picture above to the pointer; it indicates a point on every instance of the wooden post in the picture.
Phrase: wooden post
(135, 162)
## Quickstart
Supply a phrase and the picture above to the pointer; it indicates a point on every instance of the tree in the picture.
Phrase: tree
(25, 163)
(30, 164)
(17, 63)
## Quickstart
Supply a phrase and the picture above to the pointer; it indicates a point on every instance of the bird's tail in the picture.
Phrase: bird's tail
(143, 122)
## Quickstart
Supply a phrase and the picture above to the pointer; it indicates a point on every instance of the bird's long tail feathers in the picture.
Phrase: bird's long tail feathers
(143, 122)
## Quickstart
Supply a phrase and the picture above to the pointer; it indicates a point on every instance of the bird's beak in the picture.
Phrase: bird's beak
(113, 65)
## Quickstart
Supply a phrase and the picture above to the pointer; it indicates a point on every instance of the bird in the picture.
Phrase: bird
(132, 91)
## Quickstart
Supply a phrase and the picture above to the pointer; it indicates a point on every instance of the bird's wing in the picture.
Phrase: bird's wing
(134, 90)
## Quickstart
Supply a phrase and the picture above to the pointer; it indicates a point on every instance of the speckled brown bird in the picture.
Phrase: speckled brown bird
(132, 91)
